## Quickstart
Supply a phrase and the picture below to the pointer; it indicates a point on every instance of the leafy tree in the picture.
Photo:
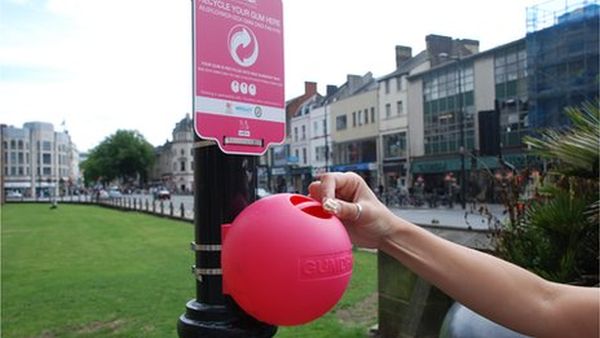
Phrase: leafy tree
(556, 236)
(125, 155)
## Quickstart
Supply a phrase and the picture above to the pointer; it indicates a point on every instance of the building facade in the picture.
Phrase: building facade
(39, 161)
(354, 119)
(174, 160)
(563, 58)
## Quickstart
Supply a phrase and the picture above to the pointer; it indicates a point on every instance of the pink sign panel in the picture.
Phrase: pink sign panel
(238, 63)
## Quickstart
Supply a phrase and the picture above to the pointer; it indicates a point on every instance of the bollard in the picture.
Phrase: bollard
(146, 204)
(154, 207)
(181, 208)
(162, 207)
(171, 208)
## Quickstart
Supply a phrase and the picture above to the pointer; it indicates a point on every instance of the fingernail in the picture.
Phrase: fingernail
(331, 205)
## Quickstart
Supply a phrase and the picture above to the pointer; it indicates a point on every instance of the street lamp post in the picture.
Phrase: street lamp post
(461, 122)
(461, 114)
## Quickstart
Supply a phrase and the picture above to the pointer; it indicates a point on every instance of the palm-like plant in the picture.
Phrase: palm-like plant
(557, 236)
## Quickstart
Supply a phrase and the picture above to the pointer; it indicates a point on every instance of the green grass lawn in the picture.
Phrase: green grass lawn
(86, 271)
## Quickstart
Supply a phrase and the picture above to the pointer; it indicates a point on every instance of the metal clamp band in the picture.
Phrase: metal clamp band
(199, 272)
(205, 247)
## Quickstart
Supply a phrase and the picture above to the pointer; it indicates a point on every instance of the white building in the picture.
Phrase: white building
(174, 162)
(39, 161)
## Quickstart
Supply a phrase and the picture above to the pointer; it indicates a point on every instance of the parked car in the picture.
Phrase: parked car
(262, 192)
(162, 194)
(114, 193)
(14, 194)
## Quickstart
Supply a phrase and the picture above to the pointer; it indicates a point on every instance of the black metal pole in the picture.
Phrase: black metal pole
(223, 186)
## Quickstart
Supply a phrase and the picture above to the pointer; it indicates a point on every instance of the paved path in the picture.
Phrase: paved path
(479, 218)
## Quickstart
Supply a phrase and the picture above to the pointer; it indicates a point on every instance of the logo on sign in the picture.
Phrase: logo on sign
(243, 45)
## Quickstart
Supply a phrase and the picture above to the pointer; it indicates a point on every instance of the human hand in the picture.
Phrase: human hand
(340, 193)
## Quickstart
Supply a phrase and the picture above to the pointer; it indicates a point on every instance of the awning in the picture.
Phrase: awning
(365, 166)
(17, 184)
(432, 165)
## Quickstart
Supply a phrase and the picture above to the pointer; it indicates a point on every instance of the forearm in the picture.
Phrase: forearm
(492, 287)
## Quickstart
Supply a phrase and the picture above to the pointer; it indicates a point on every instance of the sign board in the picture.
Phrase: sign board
(238, 74)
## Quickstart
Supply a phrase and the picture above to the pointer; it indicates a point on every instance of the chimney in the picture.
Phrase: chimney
(331, 89)
(354, 81)
(465, 47)
(436, 45)
(310, 88)
(403, 53)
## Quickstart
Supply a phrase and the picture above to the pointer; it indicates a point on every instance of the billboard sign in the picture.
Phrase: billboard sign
(238, 74)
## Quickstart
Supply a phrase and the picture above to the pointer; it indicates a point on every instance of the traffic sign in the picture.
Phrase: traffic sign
(238, 74)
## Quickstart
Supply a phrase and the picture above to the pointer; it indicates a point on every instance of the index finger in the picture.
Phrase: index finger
(341, 185)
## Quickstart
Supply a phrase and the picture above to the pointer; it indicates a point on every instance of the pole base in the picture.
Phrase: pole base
(203, 320)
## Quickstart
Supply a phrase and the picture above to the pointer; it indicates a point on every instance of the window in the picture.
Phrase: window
(297, 153)
(295, 134)
(394, 145)
(360, 119)
(47, 171)
(47, 145)
(341, 122)
(192, 165)
(47, 158)
(304, 155)
(21, 161)
(13, 145)
(13, 171)
(20, 145)
(399, 83)
(182, 152)
(182, 165)
(303, 132)
(373, 114)
(366, 116)
(354, 119)
(320, 153)
(388, 110)
(387, 86)
(20, 171)
(315, 127)
(400, 107)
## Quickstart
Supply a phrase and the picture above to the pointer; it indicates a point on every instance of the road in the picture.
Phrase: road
(478, 218)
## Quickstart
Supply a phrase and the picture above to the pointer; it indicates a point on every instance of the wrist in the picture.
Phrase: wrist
(398, 229)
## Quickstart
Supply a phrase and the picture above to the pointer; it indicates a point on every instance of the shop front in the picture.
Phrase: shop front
(301, 178)
(368, 171)
(394, 174)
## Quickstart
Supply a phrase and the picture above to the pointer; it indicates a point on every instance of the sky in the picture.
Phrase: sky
(100, 66)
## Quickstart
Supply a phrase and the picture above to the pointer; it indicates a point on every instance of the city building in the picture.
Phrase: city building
(174, 160)
(282, 159)
(393, 117)
(39, 161)
(320, 135)
(354, 119)
(563, 58)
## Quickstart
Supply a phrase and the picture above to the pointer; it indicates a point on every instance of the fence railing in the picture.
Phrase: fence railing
(149, 205)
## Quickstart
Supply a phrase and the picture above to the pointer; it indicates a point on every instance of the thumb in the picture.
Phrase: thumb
(345, 211)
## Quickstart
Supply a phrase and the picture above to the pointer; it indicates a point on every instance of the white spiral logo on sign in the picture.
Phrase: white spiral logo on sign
(242, 36)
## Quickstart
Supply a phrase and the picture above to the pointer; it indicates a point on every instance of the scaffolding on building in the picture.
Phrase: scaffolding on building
(562, 58)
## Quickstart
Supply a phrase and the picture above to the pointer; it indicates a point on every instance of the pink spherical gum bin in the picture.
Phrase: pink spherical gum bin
(285, 260)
